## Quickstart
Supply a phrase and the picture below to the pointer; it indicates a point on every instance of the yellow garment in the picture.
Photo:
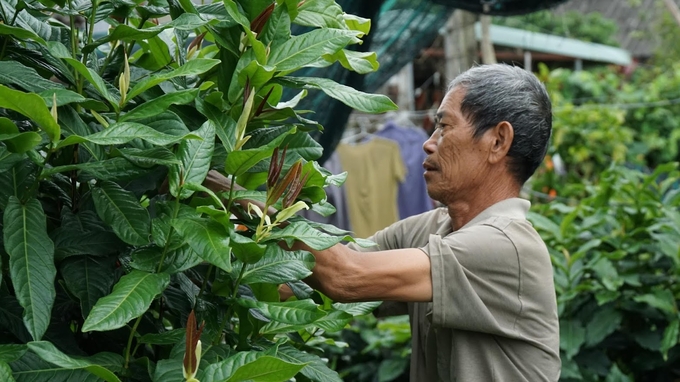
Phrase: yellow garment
(374, 171)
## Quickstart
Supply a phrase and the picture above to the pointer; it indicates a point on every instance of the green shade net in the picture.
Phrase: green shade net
(400, 30)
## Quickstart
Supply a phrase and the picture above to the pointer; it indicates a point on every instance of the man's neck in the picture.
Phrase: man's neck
(463, 210)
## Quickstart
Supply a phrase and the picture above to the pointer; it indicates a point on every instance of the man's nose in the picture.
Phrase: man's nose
(430, 144)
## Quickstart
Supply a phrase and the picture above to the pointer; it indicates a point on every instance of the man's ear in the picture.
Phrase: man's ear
(502, 136)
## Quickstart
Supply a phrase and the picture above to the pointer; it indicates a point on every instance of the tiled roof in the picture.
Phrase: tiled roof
(636, 20)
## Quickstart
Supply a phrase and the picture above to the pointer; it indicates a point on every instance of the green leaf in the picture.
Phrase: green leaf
(360, 62)
(124, 132)
(572, 336)
(368, 103)
(32, 368)
(661, 299)
(11, 352)
(604, 322)
(306, 48)
(149, 157)
(31, 262)
(121, 210)
(27, 78)
(159, 105)
(391, 368)
(20, 33)
(195, 157)
(670, 337)
(123, 32)
(357, 308)
(616, 375)
(301, 312)
(32, 106)
(5, 370)
(300, 230)
(222, 370)
(316, 369)
(51, 354)
(245, 249)
(115, 170)
(167, 338)
(238, 162)
(209, 239)
(88, 278)
(191, 68)
(94, 79)
(266, 369)
(131, 297)
(65, 97)
(279, 266)
(321, 14)
(176, 260)
(15, 141)
(333, 321)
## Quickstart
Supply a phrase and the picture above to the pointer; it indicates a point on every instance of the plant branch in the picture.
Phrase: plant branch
(129, 343)
(175, 211)
(90, 33)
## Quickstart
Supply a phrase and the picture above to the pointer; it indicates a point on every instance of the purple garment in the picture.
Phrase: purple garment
(412, 195)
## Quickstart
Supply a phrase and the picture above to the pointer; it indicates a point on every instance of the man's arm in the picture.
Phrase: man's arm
(346, 275)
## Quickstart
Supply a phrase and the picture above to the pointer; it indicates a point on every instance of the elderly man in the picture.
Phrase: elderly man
(475, 274)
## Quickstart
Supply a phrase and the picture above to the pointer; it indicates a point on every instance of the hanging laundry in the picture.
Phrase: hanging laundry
(375, 169)
(412, 196)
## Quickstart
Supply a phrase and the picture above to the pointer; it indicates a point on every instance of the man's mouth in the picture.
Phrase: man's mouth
(429, 167)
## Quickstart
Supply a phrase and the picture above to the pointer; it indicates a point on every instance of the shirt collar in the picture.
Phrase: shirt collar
(513, 208)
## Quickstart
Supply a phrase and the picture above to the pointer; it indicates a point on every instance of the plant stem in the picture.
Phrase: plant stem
(230, 202)
(36, 182)
(129, 343)
(205, 281)
(175, 211)
(230, 310)
(90, 33)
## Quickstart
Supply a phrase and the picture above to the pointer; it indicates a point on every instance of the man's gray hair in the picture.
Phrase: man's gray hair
(500, 92)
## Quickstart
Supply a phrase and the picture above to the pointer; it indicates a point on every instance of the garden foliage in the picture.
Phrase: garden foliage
(117, 262)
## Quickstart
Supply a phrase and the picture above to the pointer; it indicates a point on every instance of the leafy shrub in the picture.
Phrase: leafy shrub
(616, 258)
(114, 251)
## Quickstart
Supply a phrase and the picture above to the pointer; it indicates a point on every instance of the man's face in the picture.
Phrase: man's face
(456, 163)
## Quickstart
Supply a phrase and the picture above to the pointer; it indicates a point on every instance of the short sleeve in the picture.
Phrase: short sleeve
(475, 280)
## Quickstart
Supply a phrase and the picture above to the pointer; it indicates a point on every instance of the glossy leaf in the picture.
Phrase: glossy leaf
(20, 142)
(300, 312)
(306, 48)
(195, 157)
(6, 372)
(122, 211)
(279, 266)
(222, 370)
(266, 369)
(572, 336)
(31, 262)
(245, 249)
(316, 369)
(115, 170)
(238, 162)
(300, 230)
(123, 32)
(159, 105)
(89, 279)
(32, 368)
(209, 239)
(51, 354)
(166, 338)
(94, 79)
(150, 157)
(11, 352)
(360, 62)
(670, 337)
(131, 297)
(190, 68)
(32, 106)
(124, 132)
(369, 103)
(20, 33)
(27, 78)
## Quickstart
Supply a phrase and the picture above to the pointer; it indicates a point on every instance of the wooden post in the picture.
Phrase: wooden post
(460, 44)
(488, 53)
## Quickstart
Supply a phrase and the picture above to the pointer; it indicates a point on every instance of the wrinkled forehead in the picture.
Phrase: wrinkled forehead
(450, 106)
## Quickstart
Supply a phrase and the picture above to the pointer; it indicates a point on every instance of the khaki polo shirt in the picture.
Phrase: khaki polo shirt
(494, 314)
